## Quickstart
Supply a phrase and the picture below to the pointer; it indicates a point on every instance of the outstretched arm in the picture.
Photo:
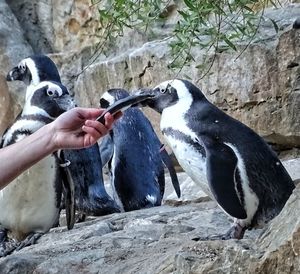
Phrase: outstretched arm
(75, 128)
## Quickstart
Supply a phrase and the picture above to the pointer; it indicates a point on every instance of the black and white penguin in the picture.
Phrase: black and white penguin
(33, 70)
(232, 163)
(30, 204)
(135, 161)
(85, 168)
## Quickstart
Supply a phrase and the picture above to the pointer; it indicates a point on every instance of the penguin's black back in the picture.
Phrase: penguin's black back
(267, 176)
(139, 168)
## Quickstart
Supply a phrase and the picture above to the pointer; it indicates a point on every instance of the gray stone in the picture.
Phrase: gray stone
(13, 48)
(260, 88)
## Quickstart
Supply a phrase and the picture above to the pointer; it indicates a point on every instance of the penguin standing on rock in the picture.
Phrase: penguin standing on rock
(86, 166)
(135, 158)
(30, 204)
(230, 161)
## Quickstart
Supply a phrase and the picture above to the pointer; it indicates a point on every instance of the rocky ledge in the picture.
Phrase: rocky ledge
(160, 240)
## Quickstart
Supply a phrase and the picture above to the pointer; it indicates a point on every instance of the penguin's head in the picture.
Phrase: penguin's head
(48, 98)
(169, 93)
(33, 70)
(111, 96)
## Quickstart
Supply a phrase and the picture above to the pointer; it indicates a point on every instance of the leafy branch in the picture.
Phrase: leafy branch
(213, 25)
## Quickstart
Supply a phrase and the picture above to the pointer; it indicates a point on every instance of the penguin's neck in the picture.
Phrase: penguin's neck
(175, 116)
(30, 110)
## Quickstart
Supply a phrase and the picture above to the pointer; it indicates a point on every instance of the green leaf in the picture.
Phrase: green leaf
(189, 4)
(183, 14)
(229, 43)
(187, 77)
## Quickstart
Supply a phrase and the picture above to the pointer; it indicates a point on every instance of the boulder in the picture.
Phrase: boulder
(260, 88)
(13, 48)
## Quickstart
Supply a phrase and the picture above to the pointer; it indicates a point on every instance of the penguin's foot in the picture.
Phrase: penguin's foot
(80, 218)
(8, 247)
(98, 206)
(30, 240)
(235, 232)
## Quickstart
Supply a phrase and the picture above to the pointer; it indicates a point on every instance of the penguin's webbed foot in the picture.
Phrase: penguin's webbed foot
(7, 247)
(235, 232)
(30, 240)
(80, 218)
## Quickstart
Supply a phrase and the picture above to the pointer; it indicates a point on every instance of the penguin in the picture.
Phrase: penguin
(296, 24)
(231, 162)
(85, 168)
(30, 204)
(135, 163)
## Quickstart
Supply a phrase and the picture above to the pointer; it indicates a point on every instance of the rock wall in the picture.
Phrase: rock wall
(159, 240)
(260, 87)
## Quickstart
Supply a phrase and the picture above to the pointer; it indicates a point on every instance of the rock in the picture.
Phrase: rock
(260, 88)
(35, 18)
(158, 240)
(145, 240)
(13, 48)
(293, 168)
(281, 241)
(6, 101)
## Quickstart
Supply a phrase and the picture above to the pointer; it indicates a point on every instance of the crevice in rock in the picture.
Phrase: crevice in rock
(28, 17)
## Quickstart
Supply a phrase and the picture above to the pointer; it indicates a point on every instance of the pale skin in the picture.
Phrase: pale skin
(73, 129)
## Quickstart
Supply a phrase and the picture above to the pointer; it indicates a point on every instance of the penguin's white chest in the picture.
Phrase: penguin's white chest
(28, 204)
(191, 160)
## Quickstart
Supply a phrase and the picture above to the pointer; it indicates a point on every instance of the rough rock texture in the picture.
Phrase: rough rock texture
(260, 88)
(13, 48)
(144, 241)
(5, 105)
(159, 240)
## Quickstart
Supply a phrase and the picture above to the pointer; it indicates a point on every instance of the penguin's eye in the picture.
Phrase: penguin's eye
(163, 90)
(50, 92)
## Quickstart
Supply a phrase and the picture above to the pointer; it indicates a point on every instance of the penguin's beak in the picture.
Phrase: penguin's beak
(14, 74)
(145, 91)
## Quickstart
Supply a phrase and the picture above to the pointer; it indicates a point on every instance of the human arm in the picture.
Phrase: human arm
(75, 128)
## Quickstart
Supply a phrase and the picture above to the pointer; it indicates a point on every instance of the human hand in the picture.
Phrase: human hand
(77, 128)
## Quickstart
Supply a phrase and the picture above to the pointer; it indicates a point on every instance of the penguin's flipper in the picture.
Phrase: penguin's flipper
(221, 165)
(106, 149)
(68, 190)
(168, 163)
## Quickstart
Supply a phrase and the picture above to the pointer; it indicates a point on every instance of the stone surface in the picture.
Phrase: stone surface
(260, 88)
(159, 240)
(5, 105)
(13, 48)
(143, 241)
